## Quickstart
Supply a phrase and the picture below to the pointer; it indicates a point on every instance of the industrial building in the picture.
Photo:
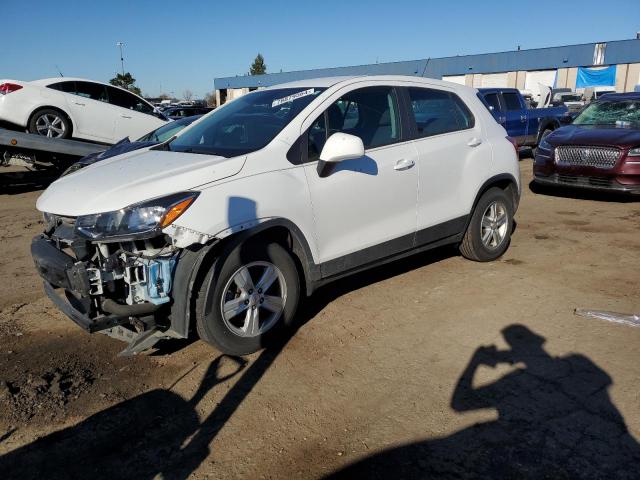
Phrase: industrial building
(614, 64)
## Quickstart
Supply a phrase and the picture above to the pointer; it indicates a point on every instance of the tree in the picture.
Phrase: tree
(187, 95)
(210, 99)
(258, 66)
(125, 81)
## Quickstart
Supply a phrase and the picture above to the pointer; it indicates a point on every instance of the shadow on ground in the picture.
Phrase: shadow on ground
(581, 194)
(555, 421)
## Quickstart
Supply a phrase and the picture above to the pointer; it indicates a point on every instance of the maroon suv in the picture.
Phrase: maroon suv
(599, 150)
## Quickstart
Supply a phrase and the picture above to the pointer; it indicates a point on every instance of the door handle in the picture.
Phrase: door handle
(404, 164)
(523, 118)
(124, 116)
(474, 142)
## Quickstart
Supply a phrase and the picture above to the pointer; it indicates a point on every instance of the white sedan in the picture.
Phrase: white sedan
(73, 107)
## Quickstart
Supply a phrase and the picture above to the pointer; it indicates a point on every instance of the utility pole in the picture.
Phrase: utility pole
(121, 44)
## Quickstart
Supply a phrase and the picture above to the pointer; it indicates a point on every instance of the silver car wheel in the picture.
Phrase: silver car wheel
(50, 125)
(494, 225)
(253, 299)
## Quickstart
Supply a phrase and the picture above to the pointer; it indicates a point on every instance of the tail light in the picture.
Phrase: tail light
(514, 143)
(9, 87)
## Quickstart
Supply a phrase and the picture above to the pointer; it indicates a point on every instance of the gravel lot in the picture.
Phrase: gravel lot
(433, 366)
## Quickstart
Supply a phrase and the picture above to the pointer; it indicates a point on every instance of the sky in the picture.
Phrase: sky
(172, 46)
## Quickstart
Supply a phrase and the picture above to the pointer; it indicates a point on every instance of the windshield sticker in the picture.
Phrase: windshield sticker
(291, 98)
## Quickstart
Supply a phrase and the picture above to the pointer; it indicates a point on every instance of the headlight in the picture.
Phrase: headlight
(634, 152)
(142, 220)
(545, 145)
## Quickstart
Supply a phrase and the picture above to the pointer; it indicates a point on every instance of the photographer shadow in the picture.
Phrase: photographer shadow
(555, 420)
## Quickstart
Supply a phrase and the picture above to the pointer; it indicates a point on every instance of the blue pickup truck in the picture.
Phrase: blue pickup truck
(526, 125)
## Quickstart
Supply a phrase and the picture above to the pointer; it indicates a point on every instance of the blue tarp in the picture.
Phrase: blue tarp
(591, 77)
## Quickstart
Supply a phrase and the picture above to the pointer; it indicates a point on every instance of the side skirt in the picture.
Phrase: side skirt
(445, 233)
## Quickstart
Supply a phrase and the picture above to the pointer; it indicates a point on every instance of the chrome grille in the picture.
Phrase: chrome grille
(599, 157)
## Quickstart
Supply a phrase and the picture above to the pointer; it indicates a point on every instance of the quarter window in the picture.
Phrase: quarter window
(438, 111)
(66, 87)
(511, 101)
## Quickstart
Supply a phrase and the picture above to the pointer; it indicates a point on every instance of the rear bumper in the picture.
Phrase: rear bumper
(607, 184)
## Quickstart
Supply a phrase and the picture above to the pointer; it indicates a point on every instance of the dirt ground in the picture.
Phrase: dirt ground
(431, 367)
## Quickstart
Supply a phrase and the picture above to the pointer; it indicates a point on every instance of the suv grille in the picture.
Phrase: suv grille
(599, 157)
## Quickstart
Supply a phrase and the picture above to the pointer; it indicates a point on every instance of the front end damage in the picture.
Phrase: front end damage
(120, 288)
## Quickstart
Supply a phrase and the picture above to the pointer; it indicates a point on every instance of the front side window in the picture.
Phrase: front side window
(246, 124)
(511, 101)
(94, 91)
(369, 113)
(127, 100)
(438, 111)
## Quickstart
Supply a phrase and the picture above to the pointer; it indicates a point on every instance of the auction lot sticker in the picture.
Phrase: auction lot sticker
(291, 98)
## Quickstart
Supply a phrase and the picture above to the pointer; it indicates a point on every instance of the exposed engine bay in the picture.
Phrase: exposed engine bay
(116, 286)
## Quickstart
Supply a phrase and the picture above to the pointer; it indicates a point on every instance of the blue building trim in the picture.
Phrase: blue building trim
(619, 51)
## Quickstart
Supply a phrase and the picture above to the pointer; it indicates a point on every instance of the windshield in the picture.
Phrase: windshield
(165, 132)
(247, 124)
(608, 113)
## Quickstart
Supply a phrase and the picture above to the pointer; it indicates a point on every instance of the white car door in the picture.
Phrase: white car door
(93, 117)
(365, 208)
(451, 146)
(135, 117)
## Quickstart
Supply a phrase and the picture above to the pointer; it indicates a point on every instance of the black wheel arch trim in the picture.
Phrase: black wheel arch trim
(189, 271)
(544, 124)
(495, 181)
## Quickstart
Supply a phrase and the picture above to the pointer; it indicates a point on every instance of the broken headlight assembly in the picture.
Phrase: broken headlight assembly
(138, 221)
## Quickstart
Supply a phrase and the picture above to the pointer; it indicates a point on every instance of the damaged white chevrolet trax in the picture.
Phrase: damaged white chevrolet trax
(226, 226)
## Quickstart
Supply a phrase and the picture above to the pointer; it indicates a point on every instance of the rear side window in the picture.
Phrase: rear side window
(511, 101)
(493, 101)
(123, 99)
(94, 91)
(438, 111)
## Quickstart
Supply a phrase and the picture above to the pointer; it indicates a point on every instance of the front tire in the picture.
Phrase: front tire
(248, 298)
(489, 231)
(50, 123)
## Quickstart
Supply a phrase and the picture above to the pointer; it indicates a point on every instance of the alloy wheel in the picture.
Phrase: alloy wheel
(50, 125)
(494, 225)
(253, 299)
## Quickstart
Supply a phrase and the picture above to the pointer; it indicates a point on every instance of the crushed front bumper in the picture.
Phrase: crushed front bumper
(62, 272)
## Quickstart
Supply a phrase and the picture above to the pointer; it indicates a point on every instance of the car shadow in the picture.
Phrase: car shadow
(555, 421)
(157, 434)
(334, 290)
(14, 183)
(581, 194)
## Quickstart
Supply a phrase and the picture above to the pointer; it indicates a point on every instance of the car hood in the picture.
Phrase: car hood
(595, 135)
(133, 177)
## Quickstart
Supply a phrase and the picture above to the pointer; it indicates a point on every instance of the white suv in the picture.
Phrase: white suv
(227, 225)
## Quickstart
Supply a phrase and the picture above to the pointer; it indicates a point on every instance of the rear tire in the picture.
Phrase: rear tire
(248, 298)
(50, 123)
(489, 231)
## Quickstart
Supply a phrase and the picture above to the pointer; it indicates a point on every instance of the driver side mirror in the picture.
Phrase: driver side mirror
(337, 148)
